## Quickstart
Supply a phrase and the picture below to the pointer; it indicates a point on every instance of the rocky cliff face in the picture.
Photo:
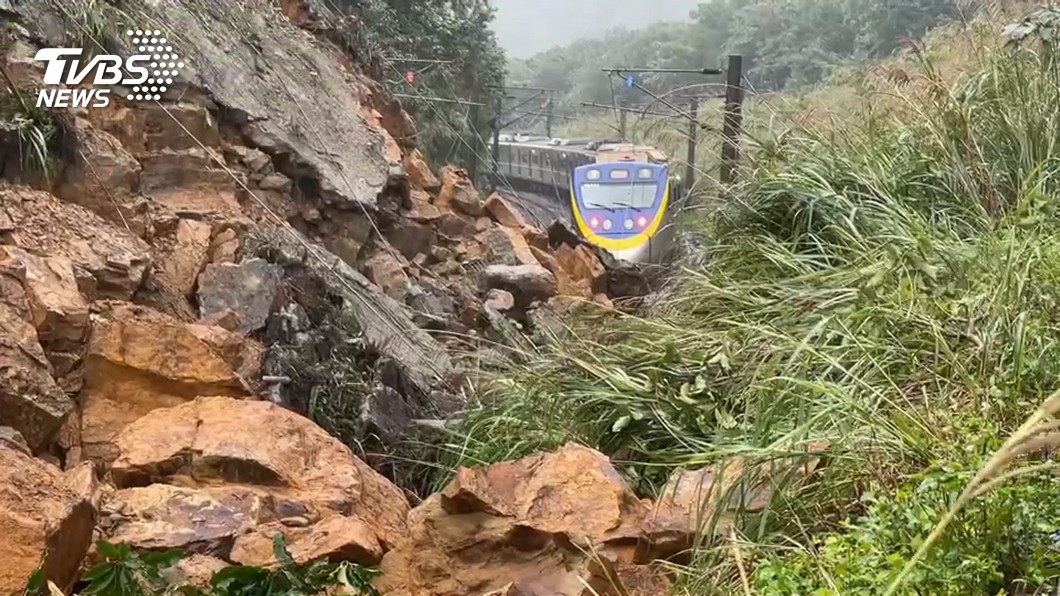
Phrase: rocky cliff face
(192, 271)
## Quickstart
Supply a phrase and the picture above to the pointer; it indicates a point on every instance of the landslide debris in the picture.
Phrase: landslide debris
(208, 300)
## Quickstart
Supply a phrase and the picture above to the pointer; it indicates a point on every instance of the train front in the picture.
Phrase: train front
(621, 207)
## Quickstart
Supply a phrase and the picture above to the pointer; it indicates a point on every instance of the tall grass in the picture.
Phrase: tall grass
(889, 285)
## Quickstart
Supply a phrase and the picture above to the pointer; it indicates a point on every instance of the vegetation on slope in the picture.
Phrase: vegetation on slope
(454, 55)
(887, 285)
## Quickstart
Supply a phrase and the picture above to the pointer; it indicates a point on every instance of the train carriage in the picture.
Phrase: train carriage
(622, 196)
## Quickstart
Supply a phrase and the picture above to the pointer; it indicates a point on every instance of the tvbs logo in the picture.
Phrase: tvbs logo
(147, 74)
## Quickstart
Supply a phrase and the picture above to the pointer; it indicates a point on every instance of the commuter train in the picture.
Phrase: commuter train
(622, 197)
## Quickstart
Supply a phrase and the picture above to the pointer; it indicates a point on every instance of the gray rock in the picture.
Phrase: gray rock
(12, 439)
(526, 282)
(248, 288)
(277, 182)
(411, 239)
(386, 414)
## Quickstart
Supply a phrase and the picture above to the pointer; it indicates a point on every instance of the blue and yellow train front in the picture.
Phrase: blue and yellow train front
(622, 207)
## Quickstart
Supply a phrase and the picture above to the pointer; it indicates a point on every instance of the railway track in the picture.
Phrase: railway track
(539, 210)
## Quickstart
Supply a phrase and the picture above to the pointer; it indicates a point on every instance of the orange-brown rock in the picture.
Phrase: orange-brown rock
(243, 354)
(507, 246)
(583, 267)
(706, 500)
(535, 237)
(503, 213)
(565, 284)
(139, 360)
(183, 257)
(109, 262)
(423, 210)
(458, 192)
(195, 570)
(46, 519)
(385, 271)
(335, 538)
(419, 173)
(524, 526)
(60, 313)
(295, 469)
(30, 400)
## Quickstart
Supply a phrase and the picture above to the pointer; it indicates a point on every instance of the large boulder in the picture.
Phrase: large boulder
(526, 282)
(507, 246)
(458, 192)
(248, 288)
(249, 470)
(503, 213)
(30, 400)
(109, 262)
(60, 312)
(139, 360)
(46, 519)
(526, 525)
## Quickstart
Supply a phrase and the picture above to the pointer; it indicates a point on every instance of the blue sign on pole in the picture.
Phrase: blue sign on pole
(630, 81)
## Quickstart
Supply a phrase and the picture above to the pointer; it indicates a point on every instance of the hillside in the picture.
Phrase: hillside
(254, 343)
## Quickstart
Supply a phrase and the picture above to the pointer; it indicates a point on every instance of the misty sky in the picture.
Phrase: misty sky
(525, 27)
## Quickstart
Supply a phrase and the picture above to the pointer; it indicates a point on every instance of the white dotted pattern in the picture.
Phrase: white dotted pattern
(150, 42)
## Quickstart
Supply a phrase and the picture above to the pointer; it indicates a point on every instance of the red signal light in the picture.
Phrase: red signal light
(642, 221)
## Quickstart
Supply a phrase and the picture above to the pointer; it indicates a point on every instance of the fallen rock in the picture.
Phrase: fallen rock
(109, 262)
(526, 282)
(419, 173)
(499, 300)
(459, 192)
(535, 237)
(411, 238)
(526, 525)
(60, 313)
(505, 246)
(296, 467)
(336, 538)
(204, 521)
(248, 288)
(583, 267)
(503, 213)
(139, 360)
(275, 181)
(12, 439)
(707, 500)
(423, 210)
(30, 400)
(44, 519)
(385, 271)
(195, 570)
(226, 319)
(182, 258)
(454, 226)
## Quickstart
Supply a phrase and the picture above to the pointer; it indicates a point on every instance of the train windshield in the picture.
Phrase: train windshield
(635, 195)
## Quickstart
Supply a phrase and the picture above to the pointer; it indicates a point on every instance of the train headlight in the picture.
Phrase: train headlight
(594, 223)
(629, 224)
(592, 175)
(642, 221)
(607, 224)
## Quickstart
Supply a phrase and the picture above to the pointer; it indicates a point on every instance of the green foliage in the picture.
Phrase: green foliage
(887, 285)
(36, 131)
(128, 573)
(785, 43)
(455, 31)
(1005, 541)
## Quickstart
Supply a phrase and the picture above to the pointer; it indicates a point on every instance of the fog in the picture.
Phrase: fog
(525, 27)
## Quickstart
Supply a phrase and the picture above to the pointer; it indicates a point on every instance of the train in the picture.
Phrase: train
(622, 197)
